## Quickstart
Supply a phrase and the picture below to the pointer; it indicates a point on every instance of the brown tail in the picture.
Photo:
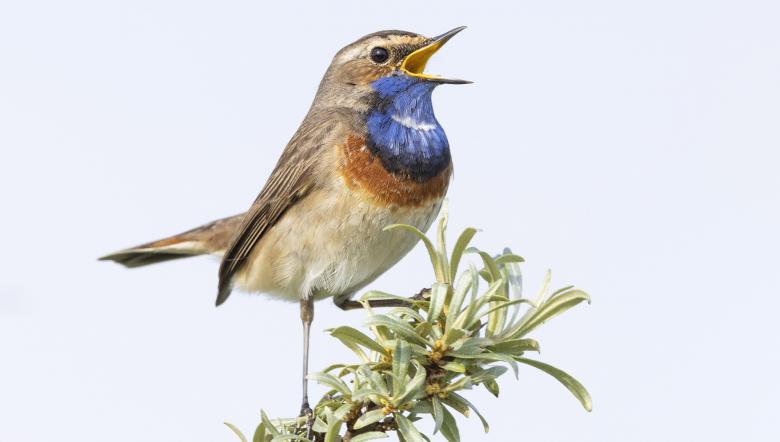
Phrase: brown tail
(211, 238)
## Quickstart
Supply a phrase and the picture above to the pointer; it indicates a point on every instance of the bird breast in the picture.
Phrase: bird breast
(364, 173)
(333, 242)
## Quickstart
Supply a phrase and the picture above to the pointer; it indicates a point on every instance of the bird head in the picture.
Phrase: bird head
(386, 60)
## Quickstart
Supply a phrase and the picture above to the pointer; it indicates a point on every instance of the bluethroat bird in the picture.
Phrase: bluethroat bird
(369, 153)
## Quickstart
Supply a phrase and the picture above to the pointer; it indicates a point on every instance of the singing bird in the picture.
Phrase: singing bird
(368, 154)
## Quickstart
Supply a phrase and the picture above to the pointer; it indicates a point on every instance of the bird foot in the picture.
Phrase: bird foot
(307, 412)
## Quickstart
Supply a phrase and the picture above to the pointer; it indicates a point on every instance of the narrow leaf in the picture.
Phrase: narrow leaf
(334, 428)
(555, 306)
(236, 430)
(458, 295)
(407, 429)
(509, 258)
(577, 389)
(441, 249)
(438, 297)
(438, 413)
(449, 427)
(259, 435)
(353, 335)
(369, 418)
(460, 246)
(330, 381)
(414, 388)
(428, 246)
(485, 425)
(371, 435)
(401, 356)
(515, 346)
(402, 329)
(492, 387)
(269, 426)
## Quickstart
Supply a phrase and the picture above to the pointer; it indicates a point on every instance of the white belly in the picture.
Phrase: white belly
(331, 243)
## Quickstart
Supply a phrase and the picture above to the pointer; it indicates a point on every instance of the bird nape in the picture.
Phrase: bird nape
(368, 154)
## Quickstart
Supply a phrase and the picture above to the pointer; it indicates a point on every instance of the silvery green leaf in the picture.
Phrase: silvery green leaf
(468, 316)
(369, 418)
(441, 248)
(497, 305)
(449, 428)
(414, 388)
(407, 430)
(577, 389)
(376, 380)
(470, 346)
(401, 356)
(286, 437)
(437, 412)
(497, 312)
(334, 428)
(319, 425)
(269, 427)
(438, 298)
(458, 295)
(380, 295)
(432, 254)
(333, 367)
(508, 258)
(515, 279)
(488, 374)
(423, 329)
(454, 401)
(346, 333)
(460, 247)
(371, 435)
(259, 435)
(460, 398)
(463, 382)
(369, 394)
(553, 307)
(490, 265)
(407, 313)
(453, 335)
(402, 329)
(454, 366)
(561, 290)
(487, 356)
(541, 296)
(236, 431)
(343, 411)
(492, 387)
(515, 346)
(423, 407)
(330, 381)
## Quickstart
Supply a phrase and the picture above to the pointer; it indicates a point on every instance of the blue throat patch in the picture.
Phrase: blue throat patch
(402, 130)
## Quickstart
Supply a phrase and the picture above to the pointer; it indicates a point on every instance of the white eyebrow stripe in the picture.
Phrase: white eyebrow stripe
(409, 122)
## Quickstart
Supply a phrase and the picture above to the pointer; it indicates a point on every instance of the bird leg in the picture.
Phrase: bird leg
(307, 315)
(348, 304)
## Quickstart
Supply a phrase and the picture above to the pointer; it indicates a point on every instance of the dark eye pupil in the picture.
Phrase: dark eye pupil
(379, 55)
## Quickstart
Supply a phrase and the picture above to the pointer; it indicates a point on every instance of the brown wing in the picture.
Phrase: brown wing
(295, 175)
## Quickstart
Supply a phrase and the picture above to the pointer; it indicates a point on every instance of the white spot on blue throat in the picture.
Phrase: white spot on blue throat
(403, 131)
(411, 123)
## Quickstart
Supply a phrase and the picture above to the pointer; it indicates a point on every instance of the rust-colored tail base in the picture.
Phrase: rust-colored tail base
(208, 239)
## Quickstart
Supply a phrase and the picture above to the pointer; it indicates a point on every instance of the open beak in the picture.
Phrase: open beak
(414, 63)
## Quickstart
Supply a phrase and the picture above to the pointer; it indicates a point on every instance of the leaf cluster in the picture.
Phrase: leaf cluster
(466, 331)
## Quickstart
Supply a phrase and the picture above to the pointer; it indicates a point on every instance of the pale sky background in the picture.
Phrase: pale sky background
(632, 147)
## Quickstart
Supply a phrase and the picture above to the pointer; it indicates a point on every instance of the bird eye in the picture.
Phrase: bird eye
(379, 55)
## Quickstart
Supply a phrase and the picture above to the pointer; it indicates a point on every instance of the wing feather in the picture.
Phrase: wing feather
(295, 175)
